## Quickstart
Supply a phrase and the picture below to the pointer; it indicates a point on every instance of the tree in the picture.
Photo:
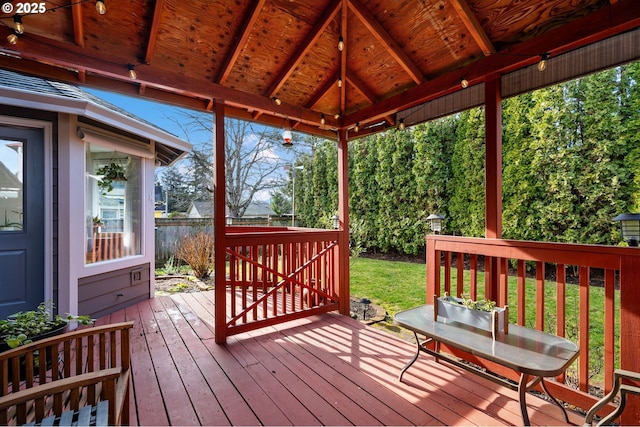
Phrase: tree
(176, 188)
(280, 202)
(252, 159)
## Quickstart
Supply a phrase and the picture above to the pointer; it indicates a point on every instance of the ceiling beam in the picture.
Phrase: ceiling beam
(344, 30)
(386, 40)
(365, 91)
(304, 48)
(240, 41)
(78, 28)
(153, 31)
(610, 20)
(473, 25)
(322, 91)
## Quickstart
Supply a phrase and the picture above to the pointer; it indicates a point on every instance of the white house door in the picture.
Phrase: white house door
(22, 196)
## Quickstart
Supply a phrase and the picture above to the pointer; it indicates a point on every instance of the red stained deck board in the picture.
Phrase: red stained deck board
(180, 340)
(323, 370)
(350, 411)
(146, 389)
(306, 393)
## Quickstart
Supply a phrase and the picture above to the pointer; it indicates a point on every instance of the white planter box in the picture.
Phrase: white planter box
(448, 309)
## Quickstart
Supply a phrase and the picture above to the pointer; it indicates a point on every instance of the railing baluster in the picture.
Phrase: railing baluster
(243, 274)
(561, 307)
(583, 374)
(540, 296)
(460, 273)
(503, 296)
(609, 327)
(521, 283)
(488, 274)
(473, 276)
(254, 278)
(447, 273)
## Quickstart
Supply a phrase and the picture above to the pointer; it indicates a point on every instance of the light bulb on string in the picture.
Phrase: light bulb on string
(100, 7)
(132, 72)
(542, 65)
(17, 20)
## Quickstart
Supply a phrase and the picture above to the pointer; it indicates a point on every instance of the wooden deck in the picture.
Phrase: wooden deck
(325, 370)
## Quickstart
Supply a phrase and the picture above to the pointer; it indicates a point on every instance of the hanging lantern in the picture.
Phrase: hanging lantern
(286, 136)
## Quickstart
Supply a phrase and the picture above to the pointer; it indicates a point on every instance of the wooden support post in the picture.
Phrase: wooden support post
(343, 213)
(493, 172)
(630, 329)
(219, 224)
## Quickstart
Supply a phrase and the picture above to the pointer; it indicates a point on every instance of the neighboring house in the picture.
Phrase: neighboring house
(80, 235)
(200, 210)
(257, 209)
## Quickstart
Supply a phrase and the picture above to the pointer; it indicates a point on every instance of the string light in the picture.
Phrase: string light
(322, 119)
(464, 83)
(340, 44)
(100, 7)
(401, 124)
(339, 82)
(542, 65)
(336, 116)
(132, 72)
(12, 38)
(356, 128)
(17, 20)
(276, 100)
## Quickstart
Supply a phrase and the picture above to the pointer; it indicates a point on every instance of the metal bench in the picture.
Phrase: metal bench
(532, 354)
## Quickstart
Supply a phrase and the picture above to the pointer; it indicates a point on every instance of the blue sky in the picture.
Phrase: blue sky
(153, 112)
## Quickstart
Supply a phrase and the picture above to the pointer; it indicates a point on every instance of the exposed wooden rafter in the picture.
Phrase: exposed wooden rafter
(322, 91)
(364, 91)
(240, 40)
(78, 28)
(474, 27)
(386, 40)
(304, 48)
(153, 32)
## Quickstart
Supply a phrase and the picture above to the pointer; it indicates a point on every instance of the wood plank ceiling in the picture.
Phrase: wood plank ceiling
(278, 62)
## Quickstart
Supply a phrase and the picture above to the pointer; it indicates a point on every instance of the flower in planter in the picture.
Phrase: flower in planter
(465, 300)
(26, 326)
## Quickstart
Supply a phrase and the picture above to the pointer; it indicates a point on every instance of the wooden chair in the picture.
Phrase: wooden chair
(80, 369)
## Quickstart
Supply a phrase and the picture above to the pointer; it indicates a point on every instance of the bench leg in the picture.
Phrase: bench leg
(412, 361)
(522, 398)
(564, 411)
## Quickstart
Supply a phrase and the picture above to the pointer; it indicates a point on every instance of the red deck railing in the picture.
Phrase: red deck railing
(613, 268)
(276, 274)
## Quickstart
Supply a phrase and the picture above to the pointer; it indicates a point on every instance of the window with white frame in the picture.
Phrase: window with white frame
(113, 204)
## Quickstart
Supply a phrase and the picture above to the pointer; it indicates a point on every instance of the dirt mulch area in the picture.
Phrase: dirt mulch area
(167, 285)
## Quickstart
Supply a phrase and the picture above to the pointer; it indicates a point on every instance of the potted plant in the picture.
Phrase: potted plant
(110, 173)
(481, 314)
(27, 326)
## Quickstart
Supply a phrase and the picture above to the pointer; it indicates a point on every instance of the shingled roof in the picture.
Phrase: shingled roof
(34, 92)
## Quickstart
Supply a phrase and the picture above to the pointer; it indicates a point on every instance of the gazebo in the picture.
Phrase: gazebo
(343, 69)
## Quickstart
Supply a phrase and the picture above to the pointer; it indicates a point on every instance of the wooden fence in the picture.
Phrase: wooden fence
(169, 231)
